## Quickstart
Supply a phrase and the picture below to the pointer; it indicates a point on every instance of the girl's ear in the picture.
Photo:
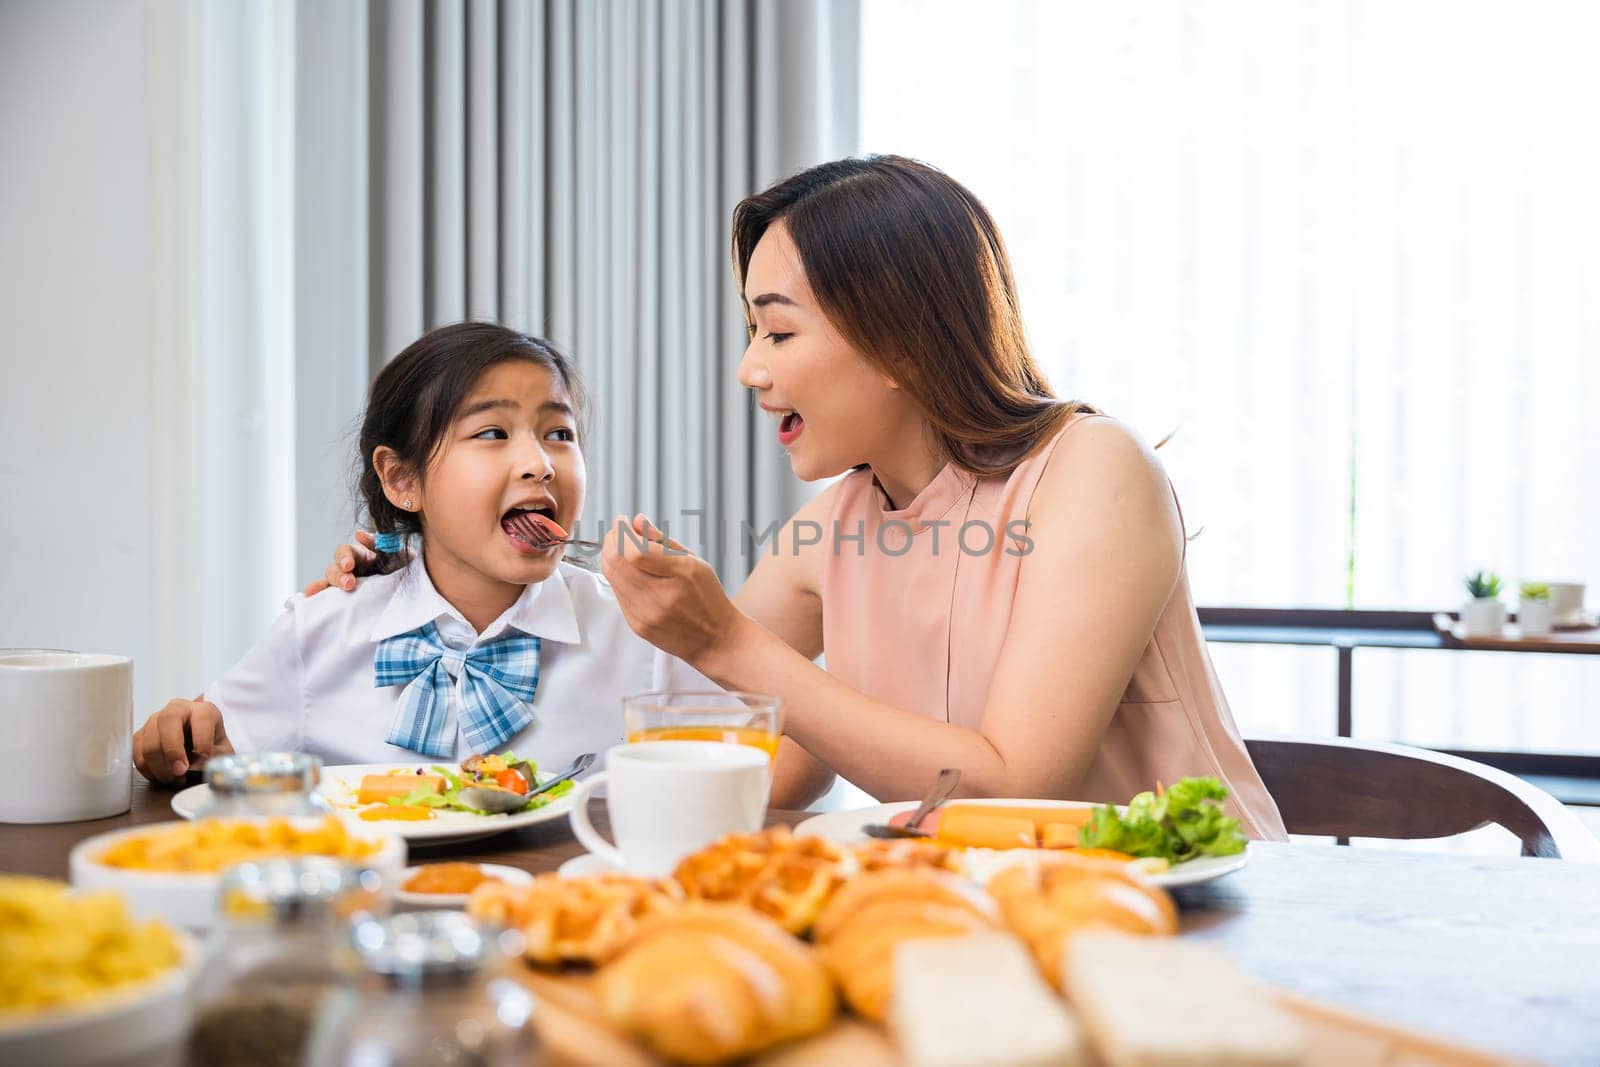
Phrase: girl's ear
(399, 481)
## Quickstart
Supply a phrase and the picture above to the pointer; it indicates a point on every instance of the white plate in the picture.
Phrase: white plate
(189, 899)
(508, 875)
(339, 785)
(147, 1023)
(845, 827)
(590, 863)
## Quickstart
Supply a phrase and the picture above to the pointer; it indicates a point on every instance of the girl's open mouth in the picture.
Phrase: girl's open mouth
(519, 540)
(790, 427)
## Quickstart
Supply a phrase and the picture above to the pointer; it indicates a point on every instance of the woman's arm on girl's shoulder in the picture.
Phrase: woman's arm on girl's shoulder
(350, 562)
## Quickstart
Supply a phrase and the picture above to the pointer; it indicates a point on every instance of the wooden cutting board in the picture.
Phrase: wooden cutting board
(576, 1035)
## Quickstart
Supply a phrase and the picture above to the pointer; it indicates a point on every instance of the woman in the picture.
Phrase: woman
(999, 585)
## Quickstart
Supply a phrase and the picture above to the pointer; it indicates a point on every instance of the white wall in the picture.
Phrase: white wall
(147, 444)
(75, 542)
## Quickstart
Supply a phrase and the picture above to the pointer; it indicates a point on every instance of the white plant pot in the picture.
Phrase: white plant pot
(1534, 617)
(1483, 617)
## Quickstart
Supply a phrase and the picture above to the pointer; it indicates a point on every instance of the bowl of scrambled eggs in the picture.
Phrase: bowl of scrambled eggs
(83, 983)
(172, 871)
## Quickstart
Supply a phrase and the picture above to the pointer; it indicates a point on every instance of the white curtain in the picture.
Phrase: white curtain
(1350, 252)
(568, 168)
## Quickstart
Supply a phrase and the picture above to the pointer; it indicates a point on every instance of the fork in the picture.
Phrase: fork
(539, 534)
(943, 786)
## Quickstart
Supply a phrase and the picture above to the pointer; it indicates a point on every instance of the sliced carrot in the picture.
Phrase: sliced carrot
(974, 827)
(396, 812)
(1103, 853)
(549, 524)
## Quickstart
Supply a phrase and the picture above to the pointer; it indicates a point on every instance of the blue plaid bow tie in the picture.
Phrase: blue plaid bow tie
(495, 681)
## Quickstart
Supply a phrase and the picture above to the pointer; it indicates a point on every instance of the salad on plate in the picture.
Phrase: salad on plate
(485, 784)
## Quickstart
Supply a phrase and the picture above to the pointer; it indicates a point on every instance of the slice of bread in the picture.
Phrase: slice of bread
(979, 1002)
(1166, 1002)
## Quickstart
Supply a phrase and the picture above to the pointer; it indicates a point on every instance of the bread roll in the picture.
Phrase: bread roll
(873, 913)
(1045, 901)
(712, 982)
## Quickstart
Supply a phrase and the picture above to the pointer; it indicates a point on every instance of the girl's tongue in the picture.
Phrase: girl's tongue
(790, 427)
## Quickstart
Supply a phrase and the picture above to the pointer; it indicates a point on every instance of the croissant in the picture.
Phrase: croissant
(574, 920)
(875, 912)
(785, 877)
(1046, 901)
(711, 982)
(901, 852)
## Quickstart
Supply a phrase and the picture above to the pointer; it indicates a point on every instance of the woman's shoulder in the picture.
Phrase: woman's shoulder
(1099, 446)
(1101, 470)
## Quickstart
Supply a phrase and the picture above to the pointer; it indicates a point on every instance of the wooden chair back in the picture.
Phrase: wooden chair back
(1344, 788)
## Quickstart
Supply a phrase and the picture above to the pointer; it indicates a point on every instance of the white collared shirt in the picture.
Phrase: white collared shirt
(307, 685)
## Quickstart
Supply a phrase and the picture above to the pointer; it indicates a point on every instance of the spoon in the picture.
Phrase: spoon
(497, 801)
(943, 786)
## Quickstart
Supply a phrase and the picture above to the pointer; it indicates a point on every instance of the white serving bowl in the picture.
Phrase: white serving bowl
(403, 899)
(147, 1024)
(189, 900)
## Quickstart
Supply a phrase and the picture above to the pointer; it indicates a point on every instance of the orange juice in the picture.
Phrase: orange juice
(755, 737)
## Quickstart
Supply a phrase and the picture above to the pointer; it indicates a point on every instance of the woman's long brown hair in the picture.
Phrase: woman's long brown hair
(910, 269)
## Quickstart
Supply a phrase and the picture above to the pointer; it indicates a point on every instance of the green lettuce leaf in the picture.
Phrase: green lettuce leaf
(1179, 824)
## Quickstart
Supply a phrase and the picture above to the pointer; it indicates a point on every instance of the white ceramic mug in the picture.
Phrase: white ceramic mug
(68, 719)
(1566, 603)
(670, 798)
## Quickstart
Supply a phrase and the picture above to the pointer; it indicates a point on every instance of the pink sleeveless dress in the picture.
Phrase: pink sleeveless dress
(921, 629)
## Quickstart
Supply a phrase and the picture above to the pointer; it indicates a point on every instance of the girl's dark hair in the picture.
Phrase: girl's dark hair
(910, 269)
(414, 399)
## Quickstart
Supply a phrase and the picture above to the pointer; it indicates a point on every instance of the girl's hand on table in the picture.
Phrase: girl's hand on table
(669, 596)
(181, 735)
(350, 562)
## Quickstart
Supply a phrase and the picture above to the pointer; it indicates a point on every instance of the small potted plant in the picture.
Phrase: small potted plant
(1533, 611)
(1483, 615)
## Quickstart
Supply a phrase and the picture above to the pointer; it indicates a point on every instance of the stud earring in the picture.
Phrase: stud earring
(408, 504)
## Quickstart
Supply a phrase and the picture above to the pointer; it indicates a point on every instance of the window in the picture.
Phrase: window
(1350, 253)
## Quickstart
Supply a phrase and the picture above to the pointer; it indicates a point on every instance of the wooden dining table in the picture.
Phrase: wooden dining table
(1498, 953)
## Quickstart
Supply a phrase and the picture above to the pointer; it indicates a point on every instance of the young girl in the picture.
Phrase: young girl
(483, 640)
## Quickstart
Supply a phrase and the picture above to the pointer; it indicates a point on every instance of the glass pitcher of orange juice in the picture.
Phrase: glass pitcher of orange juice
(676, 715)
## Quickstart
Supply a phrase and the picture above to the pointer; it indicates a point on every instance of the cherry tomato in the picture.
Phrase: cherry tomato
(511, 779)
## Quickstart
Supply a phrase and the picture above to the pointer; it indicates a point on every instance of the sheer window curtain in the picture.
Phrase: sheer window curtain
(329, 179)
(570, 168)
(1351, 254)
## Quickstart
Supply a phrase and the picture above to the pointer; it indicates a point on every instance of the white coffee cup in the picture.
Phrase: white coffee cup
(1566, 602)
(68, 719)
(670, 798)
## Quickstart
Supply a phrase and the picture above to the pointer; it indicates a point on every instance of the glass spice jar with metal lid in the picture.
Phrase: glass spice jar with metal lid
(432, 990)
(263, 785)
(273, 958)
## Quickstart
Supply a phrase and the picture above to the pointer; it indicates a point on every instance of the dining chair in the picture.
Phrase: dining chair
(1335, 786)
